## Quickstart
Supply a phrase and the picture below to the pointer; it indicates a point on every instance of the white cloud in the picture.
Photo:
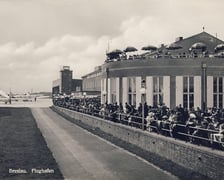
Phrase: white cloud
(25, 49)
(80, 39)
(37, 66)
(7, 49)
(63, 45)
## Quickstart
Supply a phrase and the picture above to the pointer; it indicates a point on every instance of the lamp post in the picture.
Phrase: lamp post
(104, 96)
(204, 85)
(143, 92)
(10, 97)
(84, 94)
(107, 72)
(104, 103)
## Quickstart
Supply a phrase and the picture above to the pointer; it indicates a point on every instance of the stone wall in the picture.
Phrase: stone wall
(202, 160)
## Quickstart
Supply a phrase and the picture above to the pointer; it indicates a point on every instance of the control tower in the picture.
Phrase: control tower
(66, 80)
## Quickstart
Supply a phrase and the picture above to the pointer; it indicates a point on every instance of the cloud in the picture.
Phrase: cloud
(63, 45)
(77, 33)
(98, 18)
(7, 48)
(25, 49)
(33, 66)
(29, 66)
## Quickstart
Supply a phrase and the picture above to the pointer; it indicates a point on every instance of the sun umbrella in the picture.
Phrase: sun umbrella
(219, 47)
(130, 49)
(116, 51)
(198, 45)
(173, 46)
(114, 54)
(149, 48)
(220, 55)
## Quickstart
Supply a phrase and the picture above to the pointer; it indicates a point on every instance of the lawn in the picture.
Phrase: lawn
(23, 151)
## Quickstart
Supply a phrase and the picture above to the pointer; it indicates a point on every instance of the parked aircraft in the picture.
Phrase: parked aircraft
(27, 97)
(4, 97)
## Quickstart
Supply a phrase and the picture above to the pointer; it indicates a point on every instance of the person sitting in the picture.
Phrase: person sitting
(218, 137)
(149, 120)
(102, 111)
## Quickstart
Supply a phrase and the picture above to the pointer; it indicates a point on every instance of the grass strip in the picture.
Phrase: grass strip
(23, 151)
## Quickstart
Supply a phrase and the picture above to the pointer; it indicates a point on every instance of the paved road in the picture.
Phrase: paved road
(82, 155)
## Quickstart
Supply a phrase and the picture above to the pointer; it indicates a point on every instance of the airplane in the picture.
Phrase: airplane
(4, 97)
(26, 97)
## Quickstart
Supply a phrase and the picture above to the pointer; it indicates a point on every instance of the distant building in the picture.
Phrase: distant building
(56, 86)
(91, 82)
(66, 85)
(76, 85)
(66, 80)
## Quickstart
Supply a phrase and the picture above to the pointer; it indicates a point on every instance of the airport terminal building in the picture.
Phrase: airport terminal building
(91, 82)
(189, 72)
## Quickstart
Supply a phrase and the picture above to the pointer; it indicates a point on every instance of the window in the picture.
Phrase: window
(218, 92)
(188, 92)
(132, 91)
(157, 91)
(113, 90)
(78, 88)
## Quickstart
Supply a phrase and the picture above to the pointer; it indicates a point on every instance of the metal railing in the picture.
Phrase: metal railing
(196, 135)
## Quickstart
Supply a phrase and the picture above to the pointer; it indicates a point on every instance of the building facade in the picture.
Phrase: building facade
(92, 81)
(189, 75)
(56, 88)
(76, 85)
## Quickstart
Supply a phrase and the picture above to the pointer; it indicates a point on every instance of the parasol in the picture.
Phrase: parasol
(114, 54)
(149, 48)
(130, 49)
(173, 46)
(198, 45)
(219, 47)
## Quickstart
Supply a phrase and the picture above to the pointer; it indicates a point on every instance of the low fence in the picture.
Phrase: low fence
(200, 159)
(206, 135)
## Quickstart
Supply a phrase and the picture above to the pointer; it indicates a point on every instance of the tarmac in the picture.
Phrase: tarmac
(46, 102)
(82, 155)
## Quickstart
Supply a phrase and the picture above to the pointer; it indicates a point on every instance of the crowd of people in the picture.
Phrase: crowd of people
(191, 125)
(167, 54)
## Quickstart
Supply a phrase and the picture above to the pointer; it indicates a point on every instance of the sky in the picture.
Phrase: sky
(38, 37)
